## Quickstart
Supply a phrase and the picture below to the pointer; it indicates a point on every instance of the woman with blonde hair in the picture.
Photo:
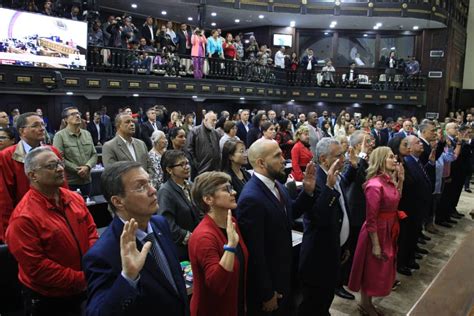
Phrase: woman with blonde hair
(374, 266)
(301, 154)
(340, 126)
(175, 120)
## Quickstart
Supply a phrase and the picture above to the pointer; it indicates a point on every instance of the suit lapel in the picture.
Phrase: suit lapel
(123, 147)
(272, 198)
(183, 196)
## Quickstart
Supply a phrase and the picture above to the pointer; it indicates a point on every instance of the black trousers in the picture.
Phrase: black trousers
(317, 299)
(36, 304)
(409, 233)
(351, 245)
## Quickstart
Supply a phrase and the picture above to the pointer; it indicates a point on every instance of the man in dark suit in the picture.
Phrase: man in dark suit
(243, 126)
(352, 75)
(133, 268)
(148, 31)
(416, 202)
(184, 46)
(308, 65)
(149, 127)
(406, 130)
(265, 214)
(380, 134)
(326, 231)
(97, 130)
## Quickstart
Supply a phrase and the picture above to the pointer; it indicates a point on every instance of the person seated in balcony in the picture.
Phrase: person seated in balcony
(143, 46)
(308, 64)
(139, 59)
(351, 76)
(95, 34)
(198, 52)
(31, 6)
(328, 72)
(74, 14)
(48, 8)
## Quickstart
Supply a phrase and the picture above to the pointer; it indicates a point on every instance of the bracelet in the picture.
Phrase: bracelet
(230, 249)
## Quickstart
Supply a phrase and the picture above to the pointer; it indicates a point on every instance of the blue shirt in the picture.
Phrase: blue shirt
(214, 46)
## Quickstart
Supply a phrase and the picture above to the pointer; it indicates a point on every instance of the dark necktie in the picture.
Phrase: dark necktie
(424, 171)
(281, 198)
(160, 258)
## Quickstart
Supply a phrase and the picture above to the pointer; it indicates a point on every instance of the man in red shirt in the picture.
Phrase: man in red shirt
(13, 181)
(49, 231)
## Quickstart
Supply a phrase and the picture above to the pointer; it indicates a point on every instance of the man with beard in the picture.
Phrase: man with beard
(265, 213)
(124, 147)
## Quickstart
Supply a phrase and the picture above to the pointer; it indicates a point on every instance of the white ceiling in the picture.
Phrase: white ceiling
(225, 18)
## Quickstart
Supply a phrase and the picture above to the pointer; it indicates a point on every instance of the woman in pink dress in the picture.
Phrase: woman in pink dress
(374, 266)
(198, 52)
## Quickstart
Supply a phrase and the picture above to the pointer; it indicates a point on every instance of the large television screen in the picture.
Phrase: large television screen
(35, 40)
(282, 40)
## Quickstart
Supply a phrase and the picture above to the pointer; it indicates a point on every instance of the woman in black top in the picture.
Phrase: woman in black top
(234, 158)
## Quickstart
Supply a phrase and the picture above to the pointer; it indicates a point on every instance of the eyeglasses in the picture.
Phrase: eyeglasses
(53, 166)
(181, 164)
(144, 187)
(36, 125)
(75, 114)
(4, 137)
(229, 188)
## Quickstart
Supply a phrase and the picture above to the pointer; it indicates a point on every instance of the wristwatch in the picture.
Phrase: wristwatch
(229, 248)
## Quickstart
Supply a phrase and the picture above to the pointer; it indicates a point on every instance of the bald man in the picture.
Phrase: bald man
(265, 213)
(416, 202)
(203, 145)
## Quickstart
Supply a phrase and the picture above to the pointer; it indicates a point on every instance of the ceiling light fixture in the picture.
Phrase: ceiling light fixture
(292, 24)
(246, 41)
(134, 5)
(194, 96)
(365, 35)
(190, 18)
(213, 13)
(136, 95)
(334, 22)
(292, 100)
(332, 26)
(69, 93)
(163, 12)
(242, 98)
(378, 24)
(416, 27)
(237, 21)
(326, 33)
(376, 27)
(213, 24)
(261, 16)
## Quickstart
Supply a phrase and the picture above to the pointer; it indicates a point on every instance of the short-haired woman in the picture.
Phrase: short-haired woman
(174, 200)
(234, 158)
(7, 137)
(374, 266)
(159, 141)
(230, 133)
(217, 252)
(268, 131)
(301, 155)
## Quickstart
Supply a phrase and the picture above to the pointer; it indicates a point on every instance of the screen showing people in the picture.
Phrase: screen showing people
(35, 40)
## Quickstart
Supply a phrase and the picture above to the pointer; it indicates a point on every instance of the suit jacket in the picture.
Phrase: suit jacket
(355, 75)
(180, 213)
(182, 50)
(253, 134)
(401, 133)
(383, 141)
(116, 150)
(321, 251)
(425, 156)
(146, 130)
(266, 224)
(417, 190)
(203, 145)
(111, 294)
(305, 60)
(93, 130)
(145, 31)
(355, 194)
(242, 132)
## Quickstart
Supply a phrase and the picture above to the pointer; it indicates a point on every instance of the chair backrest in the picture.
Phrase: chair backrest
(10, 300)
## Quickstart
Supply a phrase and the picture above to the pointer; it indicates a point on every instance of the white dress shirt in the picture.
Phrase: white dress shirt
(280, 60)
(269, 183)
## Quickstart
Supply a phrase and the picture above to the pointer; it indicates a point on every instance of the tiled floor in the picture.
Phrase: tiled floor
(441, 249)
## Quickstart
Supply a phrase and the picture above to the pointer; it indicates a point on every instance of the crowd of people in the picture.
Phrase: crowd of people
(370, 190)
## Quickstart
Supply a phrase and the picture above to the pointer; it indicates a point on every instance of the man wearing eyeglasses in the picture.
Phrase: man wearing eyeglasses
(77, 148)
(50, 230)
(13, 181)
(133, 268)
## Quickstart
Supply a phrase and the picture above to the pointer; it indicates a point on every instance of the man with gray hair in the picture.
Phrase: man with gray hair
(50, 230)
(326, 232)
(203, 145)
(265, 213)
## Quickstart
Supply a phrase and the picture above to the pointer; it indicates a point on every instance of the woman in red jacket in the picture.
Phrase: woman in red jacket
(301, 155)
(217, 252)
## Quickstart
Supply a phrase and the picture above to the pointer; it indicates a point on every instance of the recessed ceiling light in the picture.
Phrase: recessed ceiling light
(190, 18)
(69, 93)
(136, 95)
(237, 21)
(334, 22)
(213, 24)
(326, 33)
(332, 26)
(416, 27)
(365, 35)
(261, 16)
(376, 27)
(242, 98)
(292, 24)
(246, 41)
(134, 5)
(292, 100)
(213, 13)
(378, 24)
(163, 12)
(195, 96)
